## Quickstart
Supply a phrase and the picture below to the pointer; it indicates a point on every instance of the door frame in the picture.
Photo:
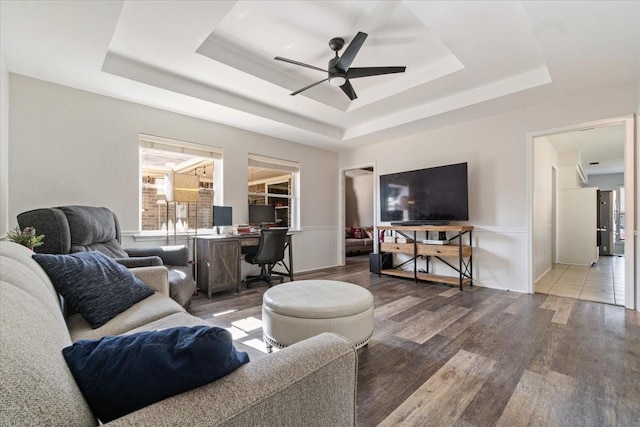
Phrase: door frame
(554, 214)
(342, 206)
(632, 288)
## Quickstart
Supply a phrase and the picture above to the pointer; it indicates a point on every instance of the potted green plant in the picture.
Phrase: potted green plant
(26, 237)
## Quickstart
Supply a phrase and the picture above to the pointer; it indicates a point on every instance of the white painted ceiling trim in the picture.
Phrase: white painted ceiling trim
(214, 60)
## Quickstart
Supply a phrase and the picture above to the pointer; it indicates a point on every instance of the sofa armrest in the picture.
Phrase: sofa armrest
(157, 278)
(170, 255)
(310, 383)
(146, 261)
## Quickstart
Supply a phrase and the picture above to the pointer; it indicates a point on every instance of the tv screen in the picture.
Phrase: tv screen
(259, 214)
(432, 195)
(222, 216)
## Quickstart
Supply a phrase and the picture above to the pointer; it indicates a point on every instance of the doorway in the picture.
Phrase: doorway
(358, 213)
(575, 168)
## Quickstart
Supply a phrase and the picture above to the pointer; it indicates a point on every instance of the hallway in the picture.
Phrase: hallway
(602, 282)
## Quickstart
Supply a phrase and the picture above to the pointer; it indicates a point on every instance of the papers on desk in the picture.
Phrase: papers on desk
(243, 229)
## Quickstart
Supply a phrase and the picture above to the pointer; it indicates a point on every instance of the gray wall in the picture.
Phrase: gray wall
(495, 149)
(4, 146)
(74, 147)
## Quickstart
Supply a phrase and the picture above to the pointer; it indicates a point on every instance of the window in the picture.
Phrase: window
(275, 182)
(162, 156)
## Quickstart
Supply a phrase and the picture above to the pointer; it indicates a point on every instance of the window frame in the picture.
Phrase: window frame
(215, 154)
(289, 167)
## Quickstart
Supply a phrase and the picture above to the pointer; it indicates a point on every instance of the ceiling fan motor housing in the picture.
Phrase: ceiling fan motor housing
(336, 44)
(337, 77)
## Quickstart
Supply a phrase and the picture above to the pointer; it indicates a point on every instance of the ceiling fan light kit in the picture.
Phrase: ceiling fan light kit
(337, 81)
(340, 70)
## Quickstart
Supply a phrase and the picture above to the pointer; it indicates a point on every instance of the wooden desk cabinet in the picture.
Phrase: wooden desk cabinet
(218, 264)
(219, 260)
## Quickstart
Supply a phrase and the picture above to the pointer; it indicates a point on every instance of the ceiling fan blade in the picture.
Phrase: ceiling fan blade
(351, 51)
(348, 89)
(354, 73)
(302, 64)
(309, 87)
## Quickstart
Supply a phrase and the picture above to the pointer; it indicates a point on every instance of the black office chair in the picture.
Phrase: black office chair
(270, 251)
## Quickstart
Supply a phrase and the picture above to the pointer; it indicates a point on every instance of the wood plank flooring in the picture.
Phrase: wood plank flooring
(480, 357)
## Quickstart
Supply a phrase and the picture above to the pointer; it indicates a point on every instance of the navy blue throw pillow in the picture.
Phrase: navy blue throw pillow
(93, 284)
(121, 374)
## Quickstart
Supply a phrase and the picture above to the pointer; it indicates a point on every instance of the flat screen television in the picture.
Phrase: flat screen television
(425, 196)
(261, 214)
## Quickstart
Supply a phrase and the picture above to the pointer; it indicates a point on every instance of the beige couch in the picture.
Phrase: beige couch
(310, 383)
(362, 244)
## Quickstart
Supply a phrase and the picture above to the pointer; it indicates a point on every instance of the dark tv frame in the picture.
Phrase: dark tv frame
(448, 184)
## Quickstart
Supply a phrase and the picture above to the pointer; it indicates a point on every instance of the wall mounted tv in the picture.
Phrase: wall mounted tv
(425, 196)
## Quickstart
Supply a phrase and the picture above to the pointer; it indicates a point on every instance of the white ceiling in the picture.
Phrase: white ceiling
(214, 59)
(604, 145)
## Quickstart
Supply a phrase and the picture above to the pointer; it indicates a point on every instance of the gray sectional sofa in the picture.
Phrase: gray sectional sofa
(361, 243)
(310, 383)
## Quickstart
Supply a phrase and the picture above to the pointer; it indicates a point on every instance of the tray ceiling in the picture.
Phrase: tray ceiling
(214, 59)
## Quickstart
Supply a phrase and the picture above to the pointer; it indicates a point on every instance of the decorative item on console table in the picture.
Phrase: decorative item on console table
(458, 249)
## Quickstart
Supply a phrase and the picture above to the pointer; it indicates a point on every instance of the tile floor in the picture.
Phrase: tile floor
(602, 282)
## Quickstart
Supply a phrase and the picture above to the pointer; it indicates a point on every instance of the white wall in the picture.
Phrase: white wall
(637, 219)
(495, 149)
(606, 182)
(545, 158)
(4, 146)
(82, 148)
(359, 201)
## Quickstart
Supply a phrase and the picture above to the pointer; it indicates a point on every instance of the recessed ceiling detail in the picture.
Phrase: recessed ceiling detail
(214, 59)
(247, 40)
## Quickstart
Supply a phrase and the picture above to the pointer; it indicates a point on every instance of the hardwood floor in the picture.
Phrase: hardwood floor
(480, 357)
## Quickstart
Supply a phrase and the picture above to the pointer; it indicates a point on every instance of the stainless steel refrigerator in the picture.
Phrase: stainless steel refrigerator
(606, 230)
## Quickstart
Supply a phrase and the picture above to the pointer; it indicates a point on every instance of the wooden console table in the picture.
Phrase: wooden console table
(455, 248)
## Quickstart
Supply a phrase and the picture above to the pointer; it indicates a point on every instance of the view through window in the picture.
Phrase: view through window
(157, 159)
(274, 182)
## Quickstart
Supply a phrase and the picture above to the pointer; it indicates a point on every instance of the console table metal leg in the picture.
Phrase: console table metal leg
(290, 244)
(460, 260)
(470, 261)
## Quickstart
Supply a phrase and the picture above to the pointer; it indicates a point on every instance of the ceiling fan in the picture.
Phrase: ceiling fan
(340, 70)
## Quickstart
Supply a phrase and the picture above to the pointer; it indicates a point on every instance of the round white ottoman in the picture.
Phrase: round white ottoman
(298, 310)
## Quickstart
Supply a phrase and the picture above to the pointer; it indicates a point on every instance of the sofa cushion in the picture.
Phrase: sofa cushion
(118, 375)
(19, 269)
(368, 231)
(93, 284)
(148, 310)
(94, 228)
(185, 319)
(358, 242)
(37, 388)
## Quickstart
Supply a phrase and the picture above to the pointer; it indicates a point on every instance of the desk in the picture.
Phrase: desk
(218, 261)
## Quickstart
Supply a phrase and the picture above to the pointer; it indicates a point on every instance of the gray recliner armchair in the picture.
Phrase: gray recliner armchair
(70, 229)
